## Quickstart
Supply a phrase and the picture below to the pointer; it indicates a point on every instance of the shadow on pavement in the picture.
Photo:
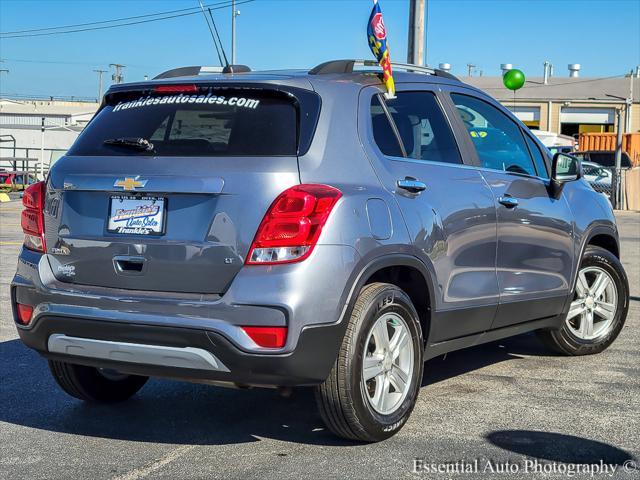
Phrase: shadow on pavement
(558, 447)
(470, 359)
(184, 413)
(162, 412)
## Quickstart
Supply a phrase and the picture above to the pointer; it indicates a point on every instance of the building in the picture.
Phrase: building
(569, 105)
(21, 124)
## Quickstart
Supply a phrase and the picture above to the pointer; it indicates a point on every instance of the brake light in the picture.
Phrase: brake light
(176, 89)
(32, 220)
(292, 225)
(24, 313)
(267, 337)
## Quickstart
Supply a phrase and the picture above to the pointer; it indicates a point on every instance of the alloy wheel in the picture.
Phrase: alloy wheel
(593, 309)
(388, 363)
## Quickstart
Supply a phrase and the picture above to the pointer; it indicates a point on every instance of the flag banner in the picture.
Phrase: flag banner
(377, 35)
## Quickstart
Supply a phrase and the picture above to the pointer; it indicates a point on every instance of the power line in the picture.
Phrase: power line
(563, 83)
(109, 21)
(65, 62)
(228, 4)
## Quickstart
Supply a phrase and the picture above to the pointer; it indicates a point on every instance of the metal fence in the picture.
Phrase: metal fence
(604, 180)
(27, 159)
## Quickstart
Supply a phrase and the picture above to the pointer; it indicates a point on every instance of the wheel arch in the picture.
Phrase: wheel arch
(604, 236)
(408, 273)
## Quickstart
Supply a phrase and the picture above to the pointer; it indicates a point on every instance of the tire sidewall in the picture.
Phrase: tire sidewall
(389, 300)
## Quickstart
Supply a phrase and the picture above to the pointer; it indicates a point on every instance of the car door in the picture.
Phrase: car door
(447, 206)
(535, 228)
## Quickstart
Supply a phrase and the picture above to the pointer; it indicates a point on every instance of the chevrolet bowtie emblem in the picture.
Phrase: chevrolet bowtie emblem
(130, 183)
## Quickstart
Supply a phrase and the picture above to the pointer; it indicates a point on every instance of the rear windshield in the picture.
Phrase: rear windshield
(239, 122)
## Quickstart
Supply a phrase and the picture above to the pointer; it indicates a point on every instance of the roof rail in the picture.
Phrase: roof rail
(201, 70)
(347, 66)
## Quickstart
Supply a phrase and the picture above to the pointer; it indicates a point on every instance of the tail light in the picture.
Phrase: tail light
(268, 337)
(24, 313)
(292, 225)
(33, 218)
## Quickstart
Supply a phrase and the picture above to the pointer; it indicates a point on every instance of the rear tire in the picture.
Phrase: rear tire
(373, 409)
(91, 385)
(592, 324)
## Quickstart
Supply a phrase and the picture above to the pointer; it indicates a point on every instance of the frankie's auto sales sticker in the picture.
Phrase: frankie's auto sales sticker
(209, 99)
(136, 215)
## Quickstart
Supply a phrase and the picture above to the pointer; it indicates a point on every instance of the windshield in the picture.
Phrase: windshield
(220, 122)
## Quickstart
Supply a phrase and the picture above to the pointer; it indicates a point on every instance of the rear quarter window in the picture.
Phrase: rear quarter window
(249, 122)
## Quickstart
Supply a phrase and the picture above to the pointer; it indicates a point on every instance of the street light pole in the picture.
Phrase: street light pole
(628, 111)
(618, 161)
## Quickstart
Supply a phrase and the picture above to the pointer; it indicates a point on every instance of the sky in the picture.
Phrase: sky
(602, 35)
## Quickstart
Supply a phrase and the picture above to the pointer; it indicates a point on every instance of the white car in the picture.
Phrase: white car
(599, 177)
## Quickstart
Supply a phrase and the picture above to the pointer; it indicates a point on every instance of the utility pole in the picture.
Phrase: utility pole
(117, 76)
(100, 72)
(234, 14)
(470, 68)
(415, 50)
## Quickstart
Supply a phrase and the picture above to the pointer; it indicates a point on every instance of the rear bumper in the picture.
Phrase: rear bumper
(309, 364)
(271, 296)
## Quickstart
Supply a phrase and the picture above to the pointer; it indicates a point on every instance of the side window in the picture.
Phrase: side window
(538, 157)
(422, 126)
(498, 140)
(383, 134)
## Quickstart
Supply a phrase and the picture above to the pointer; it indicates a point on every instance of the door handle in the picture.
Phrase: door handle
(508, 201)
(412, 185)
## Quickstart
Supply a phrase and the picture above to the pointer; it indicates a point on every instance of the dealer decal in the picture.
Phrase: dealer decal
(209, 99)
(141, 211)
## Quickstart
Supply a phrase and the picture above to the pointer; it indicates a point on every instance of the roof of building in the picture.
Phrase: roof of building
(561, 88)
(46, 107)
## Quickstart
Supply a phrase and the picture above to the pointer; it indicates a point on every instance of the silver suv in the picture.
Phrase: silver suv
(298, 228)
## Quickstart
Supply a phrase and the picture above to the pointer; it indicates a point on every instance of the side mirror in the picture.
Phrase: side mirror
(565, 168)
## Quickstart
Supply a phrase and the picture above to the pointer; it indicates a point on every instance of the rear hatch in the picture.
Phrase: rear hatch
(165, 188)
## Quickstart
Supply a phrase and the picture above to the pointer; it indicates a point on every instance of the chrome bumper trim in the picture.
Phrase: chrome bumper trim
(187, 357)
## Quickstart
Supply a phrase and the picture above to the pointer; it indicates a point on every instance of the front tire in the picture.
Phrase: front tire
(375, 380)
(599, 307)
(95, 385)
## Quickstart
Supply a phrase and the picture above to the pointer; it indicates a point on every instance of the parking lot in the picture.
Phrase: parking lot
(508, 401)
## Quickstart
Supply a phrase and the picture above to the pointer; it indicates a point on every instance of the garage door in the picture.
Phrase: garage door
(593, 115)
(526, 114)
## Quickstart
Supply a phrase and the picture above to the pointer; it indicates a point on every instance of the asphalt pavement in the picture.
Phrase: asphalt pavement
(509, 409)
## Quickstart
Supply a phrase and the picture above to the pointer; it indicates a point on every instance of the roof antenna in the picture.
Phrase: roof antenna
(211, 31)
(226, 62)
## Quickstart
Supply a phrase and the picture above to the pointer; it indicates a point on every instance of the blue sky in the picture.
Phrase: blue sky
(602, 35)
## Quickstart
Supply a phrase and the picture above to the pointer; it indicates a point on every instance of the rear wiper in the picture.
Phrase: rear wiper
(136, 143)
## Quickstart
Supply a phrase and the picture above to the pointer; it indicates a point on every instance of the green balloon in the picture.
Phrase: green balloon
(513, 79)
